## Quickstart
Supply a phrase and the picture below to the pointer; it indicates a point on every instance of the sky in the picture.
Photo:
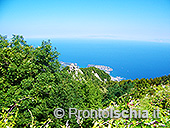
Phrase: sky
(145, 20)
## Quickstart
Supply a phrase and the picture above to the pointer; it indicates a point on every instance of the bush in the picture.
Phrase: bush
(35, 73)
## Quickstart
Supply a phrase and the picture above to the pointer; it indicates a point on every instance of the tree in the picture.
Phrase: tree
(31, 79)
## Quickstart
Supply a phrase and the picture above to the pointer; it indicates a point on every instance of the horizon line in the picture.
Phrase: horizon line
(93, 37)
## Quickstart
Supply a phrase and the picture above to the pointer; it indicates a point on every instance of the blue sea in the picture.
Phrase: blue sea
(129, 59)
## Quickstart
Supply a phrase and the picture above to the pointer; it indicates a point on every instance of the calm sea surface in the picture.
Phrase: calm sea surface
(129, 59)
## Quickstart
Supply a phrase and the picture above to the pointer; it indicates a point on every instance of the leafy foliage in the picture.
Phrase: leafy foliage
(35, 72)
(150, 102)
(33, 84)
(89, 74)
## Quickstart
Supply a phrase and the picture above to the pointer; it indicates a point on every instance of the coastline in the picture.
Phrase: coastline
(107, 69)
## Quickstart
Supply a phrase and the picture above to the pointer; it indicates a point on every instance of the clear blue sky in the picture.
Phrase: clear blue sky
(109, 19)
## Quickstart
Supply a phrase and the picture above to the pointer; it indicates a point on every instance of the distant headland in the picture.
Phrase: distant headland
(107, 69)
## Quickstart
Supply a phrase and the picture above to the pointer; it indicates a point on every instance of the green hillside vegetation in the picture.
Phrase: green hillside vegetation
(89, 73)
(33, 84)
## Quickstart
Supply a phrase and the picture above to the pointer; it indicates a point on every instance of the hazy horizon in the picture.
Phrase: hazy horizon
(146, 20)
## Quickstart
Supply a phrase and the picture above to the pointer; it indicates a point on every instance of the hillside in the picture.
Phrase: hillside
(93, 73)
(33, 84)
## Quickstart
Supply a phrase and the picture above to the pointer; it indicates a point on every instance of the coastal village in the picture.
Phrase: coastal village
(101, 67)
(107, 69)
